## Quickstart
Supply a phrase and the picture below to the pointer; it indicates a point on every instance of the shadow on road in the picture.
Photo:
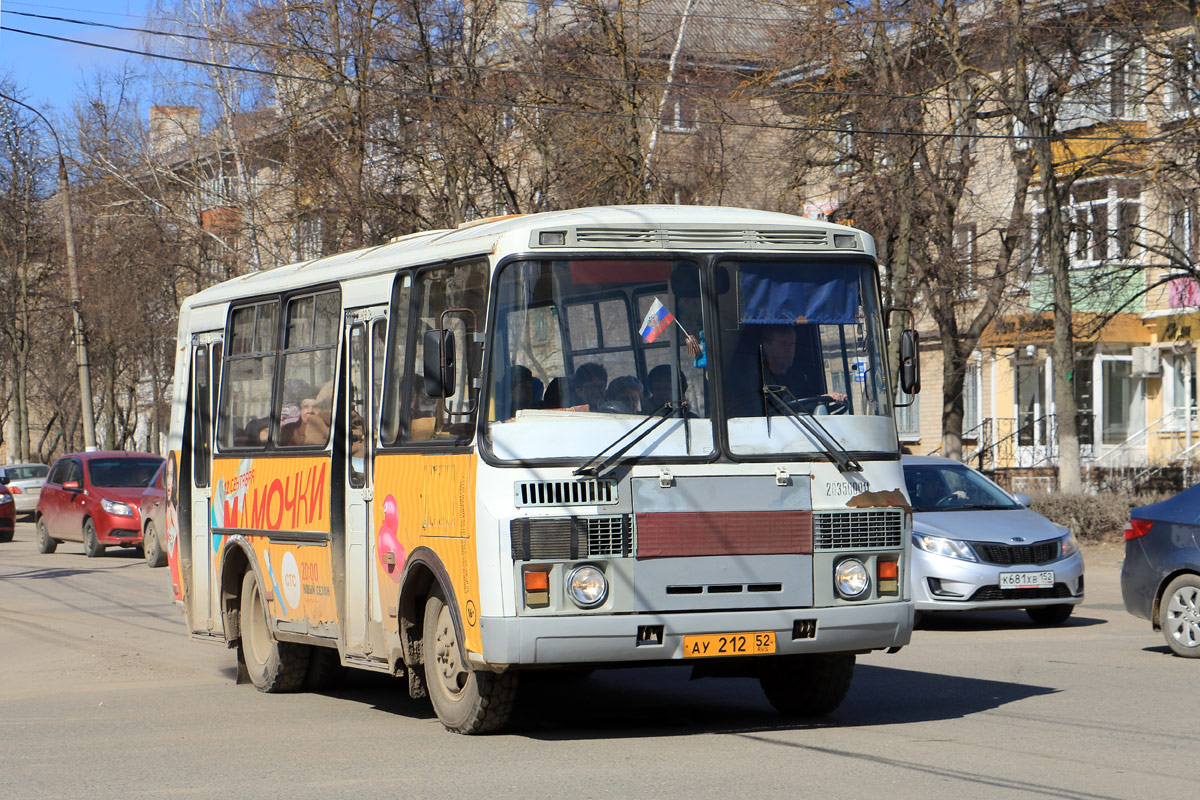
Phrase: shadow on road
(663, 701)
(995, 621)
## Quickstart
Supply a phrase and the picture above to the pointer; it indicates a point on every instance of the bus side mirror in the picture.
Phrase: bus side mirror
(910, 362)
(438, 357)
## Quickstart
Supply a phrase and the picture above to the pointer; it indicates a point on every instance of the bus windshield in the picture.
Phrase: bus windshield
(583, 349)
(802, 337)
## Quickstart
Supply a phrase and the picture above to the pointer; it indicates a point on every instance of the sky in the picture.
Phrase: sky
(50, 73)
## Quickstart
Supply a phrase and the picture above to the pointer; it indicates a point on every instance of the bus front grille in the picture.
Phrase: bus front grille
(588, 492)
(571, 537)
(858, 530)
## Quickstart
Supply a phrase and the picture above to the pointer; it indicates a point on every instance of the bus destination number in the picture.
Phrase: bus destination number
(729, 644)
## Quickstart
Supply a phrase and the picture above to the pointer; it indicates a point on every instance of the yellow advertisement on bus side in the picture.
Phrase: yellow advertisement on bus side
(271, 494)
(429, 501)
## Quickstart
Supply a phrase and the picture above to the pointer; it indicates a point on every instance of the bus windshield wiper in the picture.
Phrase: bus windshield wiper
(665, 411)
(790, 405)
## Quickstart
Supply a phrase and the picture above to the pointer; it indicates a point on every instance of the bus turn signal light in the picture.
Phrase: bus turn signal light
(1137, 528)
(887, 576)
(537, 588)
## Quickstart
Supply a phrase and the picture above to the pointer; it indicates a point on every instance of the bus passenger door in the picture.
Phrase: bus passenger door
(366, 335)
(206, 360)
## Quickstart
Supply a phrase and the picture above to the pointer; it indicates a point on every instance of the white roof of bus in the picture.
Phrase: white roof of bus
(488, 236)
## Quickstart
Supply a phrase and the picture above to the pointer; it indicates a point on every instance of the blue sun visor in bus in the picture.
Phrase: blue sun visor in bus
(789, 294)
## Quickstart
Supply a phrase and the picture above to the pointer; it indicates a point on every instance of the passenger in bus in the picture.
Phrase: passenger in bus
(553, 398)
(591, 380)
(659, 384)
(521, 390)
(255, 433)
(799, 369)
(316, 414)
(624, 395)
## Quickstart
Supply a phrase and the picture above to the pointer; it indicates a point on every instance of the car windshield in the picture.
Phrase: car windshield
(26, 473)
(122, 472)
(949, 487)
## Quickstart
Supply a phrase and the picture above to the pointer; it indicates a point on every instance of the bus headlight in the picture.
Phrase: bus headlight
(851, 579)
(587, 586)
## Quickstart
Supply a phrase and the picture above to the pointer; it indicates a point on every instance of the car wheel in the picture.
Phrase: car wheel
(151, 548)
(273, 666)
(464, 699)
(1050, 615)
(808, 686)
(7, 536)
(91, 544)
(45, 543)
(1179, 615)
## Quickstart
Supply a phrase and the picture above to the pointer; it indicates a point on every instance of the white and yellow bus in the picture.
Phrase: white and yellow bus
(601, 437)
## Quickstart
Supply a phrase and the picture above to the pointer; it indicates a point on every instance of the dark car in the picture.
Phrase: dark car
(8, 513)
(1160, 577)
(93, 498)
(154, 516)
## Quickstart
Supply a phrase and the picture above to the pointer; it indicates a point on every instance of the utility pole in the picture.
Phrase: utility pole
(81, 353)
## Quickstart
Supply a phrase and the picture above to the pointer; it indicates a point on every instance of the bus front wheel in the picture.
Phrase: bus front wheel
(273, 666)
(808, 686)
(465, 700)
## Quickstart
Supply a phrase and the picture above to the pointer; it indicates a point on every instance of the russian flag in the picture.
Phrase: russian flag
(657, 320)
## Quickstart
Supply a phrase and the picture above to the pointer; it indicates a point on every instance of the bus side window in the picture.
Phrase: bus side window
(305, 410)
(244, 419)
(460, 290)
(392, 389)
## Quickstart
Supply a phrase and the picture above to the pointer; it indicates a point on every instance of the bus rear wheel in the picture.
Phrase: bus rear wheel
(808, 686)
(273, 666)
(465, 700)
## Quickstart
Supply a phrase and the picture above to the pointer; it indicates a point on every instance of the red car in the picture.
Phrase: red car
(93, 498)
(154, 525)
(8, 513)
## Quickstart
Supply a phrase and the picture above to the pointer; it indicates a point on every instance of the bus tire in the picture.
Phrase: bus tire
(808, 686)
(91, 543)
(272, 666)
(325, 670)
(45, 542)
(152, 547)
(465, 700)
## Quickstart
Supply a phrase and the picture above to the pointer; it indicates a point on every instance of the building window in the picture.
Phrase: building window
(679, 114)
(908, 418)
(843, 143)
(310, 242)
(1183, 81)
(1181, 230)
(964, 252)
(1105, 221)
(971, 393)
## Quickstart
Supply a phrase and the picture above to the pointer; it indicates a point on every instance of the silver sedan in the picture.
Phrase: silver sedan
(976, 547)
(25, 482)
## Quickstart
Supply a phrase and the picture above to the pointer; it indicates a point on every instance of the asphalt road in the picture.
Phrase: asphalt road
(102, 695)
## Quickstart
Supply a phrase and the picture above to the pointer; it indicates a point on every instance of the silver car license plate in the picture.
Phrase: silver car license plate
(1027, 580)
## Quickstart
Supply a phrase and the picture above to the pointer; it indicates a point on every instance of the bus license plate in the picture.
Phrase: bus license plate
(1026, 580)
(729, 644)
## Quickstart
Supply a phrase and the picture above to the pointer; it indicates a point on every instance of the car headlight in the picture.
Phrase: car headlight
(1069, 546)
(113, 507)
(850, 578)
(941, 546)
(587, 586)
(5, 499)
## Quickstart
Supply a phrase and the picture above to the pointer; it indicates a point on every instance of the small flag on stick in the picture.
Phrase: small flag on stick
(657, 320)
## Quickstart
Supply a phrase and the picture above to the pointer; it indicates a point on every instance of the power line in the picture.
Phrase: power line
(687, 87)
(593, 112)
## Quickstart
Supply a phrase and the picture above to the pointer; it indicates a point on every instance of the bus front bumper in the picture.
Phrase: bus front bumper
(616, 639)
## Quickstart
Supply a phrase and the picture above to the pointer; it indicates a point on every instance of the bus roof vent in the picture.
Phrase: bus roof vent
(588, 492)
(683, 237)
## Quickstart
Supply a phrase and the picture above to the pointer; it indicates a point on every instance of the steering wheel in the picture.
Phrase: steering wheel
(823, 404)
(947, 500)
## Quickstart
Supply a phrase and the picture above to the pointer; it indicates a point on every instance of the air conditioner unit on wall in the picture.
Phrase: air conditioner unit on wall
(1147, 361)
